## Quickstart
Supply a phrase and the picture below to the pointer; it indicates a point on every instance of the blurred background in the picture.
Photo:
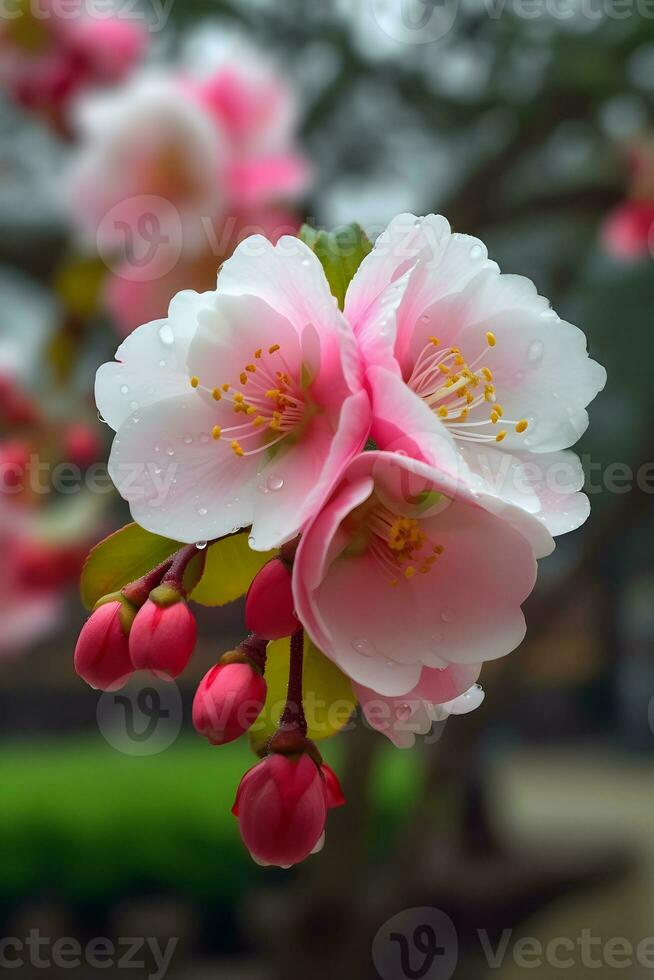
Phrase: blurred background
(528, 824)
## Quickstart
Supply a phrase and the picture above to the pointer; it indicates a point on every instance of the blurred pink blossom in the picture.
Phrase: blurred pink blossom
(46, 59)
(627, 229)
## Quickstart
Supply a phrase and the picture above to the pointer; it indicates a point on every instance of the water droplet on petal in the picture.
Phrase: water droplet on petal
(124, 389)
(188, 439)
(364, 646)
(535, 351)
(100, 419)
(476, 252)
(162, 364)
(274, 482)
(447, 616)
(251, 541)
(170, 451)
(403, 712)
(166, 335)
(201, 545)
(202, 511)
(133, 406)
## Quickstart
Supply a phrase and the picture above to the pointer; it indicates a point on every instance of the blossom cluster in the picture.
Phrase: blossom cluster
(384, 426)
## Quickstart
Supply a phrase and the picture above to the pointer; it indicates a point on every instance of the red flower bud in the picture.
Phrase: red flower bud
(269, 603)
(281, 806)
(163, 636)
(228, 701)
(81, 444)
(102, 652)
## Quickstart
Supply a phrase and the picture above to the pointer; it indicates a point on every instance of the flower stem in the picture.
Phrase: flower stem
(175, 574)
(293, 718)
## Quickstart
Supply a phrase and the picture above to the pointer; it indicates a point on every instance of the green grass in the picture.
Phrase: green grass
(83, 819)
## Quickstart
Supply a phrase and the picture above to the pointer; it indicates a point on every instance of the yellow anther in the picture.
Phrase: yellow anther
(442, 412)
(236, 449)
(487, 373)
(250, 368)
(464, 414)
(243, 378)
(250, 410)
(226, 386)
(216, 395)
(424, 569)
(491, 339)
(522, 425)
(409, 572)
(258, 352)
(494, 417)
(438, 549)
(444, 368)
(216, 432)
(239, 396)
(435, 341)
(459, 360)
(195, 381)
(470, 398)
(258, 421)
(498, 408)
(455, 350)
(500, 436)
(273, 348)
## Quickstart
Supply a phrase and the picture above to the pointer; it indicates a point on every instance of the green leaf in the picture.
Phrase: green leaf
(121, 558)
(327, 693)
(341, 252)
(230, 567)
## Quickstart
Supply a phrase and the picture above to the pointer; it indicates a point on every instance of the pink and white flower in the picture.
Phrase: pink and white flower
(479, 358)
(406, 569)
(242, 407)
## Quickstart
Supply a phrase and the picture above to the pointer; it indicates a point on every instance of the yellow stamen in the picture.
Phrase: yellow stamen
(250, 368)
(442, 412)
(435, 341)
(273, 348)
(491, 340)
(409, 572)
(522, 425)
(500, 436)
(258, 352)
(216, 432)
(487, 373)
(195, 381)
(215, 394)
(236, 448)
(243, 378)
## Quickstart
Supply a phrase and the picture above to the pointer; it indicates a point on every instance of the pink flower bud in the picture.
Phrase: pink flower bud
(163, 636)
(281, 806)
(269, 604)
(228, 701)
(333, 789)
(102, 652)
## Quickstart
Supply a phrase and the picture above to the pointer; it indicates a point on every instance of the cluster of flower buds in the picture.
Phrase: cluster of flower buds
(146, 626)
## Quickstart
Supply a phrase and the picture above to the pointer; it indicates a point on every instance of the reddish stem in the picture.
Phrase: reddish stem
(293, 718)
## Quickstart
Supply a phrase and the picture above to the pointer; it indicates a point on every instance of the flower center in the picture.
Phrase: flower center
(273, 403)
(398, 544)
(454, 387)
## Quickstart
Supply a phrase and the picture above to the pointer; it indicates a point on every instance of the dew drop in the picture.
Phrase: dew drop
(306, 262)
(133, 406)
(202, 511)
(162, 364)
(170, 451)
(403, 712)
(447, 616)
(188, 439)
(476, 252)
(535, 351)
(157, 449)
(100, 419)
(274, 482)
(166, 335)
(124, 389)
(251, 541)
(201, 545)
(364, 646)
